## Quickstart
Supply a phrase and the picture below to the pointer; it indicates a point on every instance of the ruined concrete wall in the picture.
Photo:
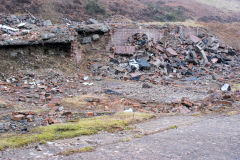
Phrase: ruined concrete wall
(120, 36)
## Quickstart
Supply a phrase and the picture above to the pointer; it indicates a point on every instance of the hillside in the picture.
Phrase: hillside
(152, 10)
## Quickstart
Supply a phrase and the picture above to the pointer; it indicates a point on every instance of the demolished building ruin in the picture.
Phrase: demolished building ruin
(150, 53)
(176, 51)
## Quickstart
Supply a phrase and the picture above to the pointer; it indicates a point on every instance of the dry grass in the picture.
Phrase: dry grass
(188, 23)
(229, 33)
(232, 5)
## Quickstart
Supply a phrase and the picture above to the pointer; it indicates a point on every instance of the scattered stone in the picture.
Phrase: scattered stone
(145, 85)
(92, 21)
(111, 92)
(47, 23)
(143, 64)
(95, 37)
(187, 102)
(86, 40)
(171, 52)
(93, 100)
(47, 36)
(38, 148)
(3, 104)
(15, 54)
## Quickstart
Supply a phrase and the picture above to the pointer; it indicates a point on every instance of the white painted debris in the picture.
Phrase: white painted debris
(21, 25)
(85, 78)
(226, 87)
(87, 84)
(130, 110)
(7, 28)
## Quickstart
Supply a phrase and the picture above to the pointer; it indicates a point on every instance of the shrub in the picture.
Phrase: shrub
(93, 7)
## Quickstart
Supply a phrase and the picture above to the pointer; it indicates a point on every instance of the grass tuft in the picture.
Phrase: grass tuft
(86, 126)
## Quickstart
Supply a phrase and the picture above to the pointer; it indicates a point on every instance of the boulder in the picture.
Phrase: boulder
(92, 21)
(86, 40)
(47, 23)
(95, 37)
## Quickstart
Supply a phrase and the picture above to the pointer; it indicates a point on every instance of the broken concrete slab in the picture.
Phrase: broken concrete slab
(194, 39)
(143, 64)
(47, 23)
(171, 52)
(92, 21)
(93, 28)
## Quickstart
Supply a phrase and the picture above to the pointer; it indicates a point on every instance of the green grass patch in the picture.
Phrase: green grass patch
(173, 127)
(93, 7)
(75, 151)
(86, 126)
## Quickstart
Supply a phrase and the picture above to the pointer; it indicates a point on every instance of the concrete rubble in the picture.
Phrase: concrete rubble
(178, 52)
(28, 31)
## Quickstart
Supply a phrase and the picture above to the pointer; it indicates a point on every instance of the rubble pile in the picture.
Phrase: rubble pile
(25, 30)
(28, 30)
(178, 53)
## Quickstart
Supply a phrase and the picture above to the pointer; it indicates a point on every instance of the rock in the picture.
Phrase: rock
(95, 37)
(21, 25)
(93, 28)
(187, 102)
(86, 40)
(134, 65)
(171, 52)
(3, 105)
(93, 100)
(194, 39)
(135, 77)
(226, 87)
(143, 64)
(145, 85)
(60, 109)
(214, 76)
(47, 23)
(92, 21)
(111, 92)
(47, 36)
(113, 60)
(15, 54)
(119, 69)
(5, 127)
(38, 148)
(25, 32)
(8, 29)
